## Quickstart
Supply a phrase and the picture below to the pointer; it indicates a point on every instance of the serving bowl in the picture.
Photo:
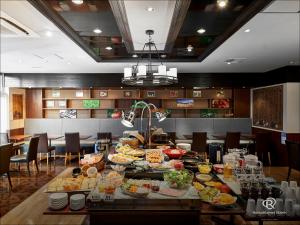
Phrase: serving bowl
(174, 153)
(178, 179)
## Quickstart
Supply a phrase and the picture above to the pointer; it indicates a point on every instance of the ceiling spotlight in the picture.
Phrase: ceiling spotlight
(108, 48)
(189, 48)
(292, 62)
(150, 9)
(222, 3)
(228, 63)
(247, 30)
(134, 56)
(201, 31)
(77, 2)
(163, 56)
(48, 33)
(97, 31)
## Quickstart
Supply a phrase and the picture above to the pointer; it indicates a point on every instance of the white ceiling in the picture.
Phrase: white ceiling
(158, 20)
(272, 43)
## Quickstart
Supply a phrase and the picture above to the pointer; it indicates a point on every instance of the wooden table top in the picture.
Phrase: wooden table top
(31, 210)
(19, 137)
(54, 137)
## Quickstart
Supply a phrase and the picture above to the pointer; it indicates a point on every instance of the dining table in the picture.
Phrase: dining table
(19, 137)
(84, 137)
(52, 137)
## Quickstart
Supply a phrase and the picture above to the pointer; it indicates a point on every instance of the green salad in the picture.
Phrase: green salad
(178, 178)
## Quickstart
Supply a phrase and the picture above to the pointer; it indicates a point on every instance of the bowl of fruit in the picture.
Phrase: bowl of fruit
(204, 167)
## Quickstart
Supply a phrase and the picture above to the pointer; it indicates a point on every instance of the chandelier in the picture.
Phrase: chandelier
(149, 73)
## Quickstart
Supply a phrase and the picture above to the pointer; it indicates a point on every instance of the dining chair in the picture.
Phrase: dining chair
(293, 149)
(263, 146)
(72, 146)
(199, 142)
(5, 153)
(104, 135)
(43, 146)
(172, 137)
(232, 140)
(28, 157)
(4, 138)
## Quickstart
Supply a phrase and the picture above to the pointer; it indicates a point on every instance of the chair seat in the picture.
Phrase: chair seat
(18, 158)
(51, 148)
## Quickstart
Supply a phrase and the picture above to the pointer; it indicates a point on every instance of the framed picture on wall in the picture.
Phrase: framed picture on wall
(68, 114)
(55, 93)
(103, 94)
(173, 93)
(197, 94)
(50, 104)
(62, 104)
(127, 94)
(17, 102)
(185, 103)
(150, 94)
(79, 94)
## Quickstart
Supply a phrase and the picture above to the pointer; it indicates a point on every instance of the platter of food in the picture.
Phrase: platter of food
(208, 193)
(72, 184)
(203, 177)
(127, 150)
(122, 159)
(134, 190)
(154, 156)
(223, 200)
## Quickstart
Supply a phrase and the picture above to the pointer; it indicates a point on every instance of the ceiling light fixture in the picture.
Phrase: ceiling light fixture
(146, 72)
(150, 9)
(77, 2)
(189, 48)
(108, 48)
(135, 56)
(292, 62)
(247, 30)
(228, 63)
(163, 56)
(97, 31)
(201, 31)
(222, 3)
(49, 33)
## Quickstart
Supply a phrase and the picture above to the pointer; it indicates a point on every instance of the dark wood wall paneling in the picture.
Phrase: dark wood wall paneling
(279, 156)
(241, 103)
(238, 80)
(34, 103)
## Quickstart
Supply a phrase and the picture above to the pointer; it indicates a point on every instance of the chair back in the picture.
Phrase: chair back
(5, 153)
(199, 142)
(4, 138)
(103, 135)
(293, 149)
(72, 142)
(43, 142)
(172, 137)
(32, 149)
(232, 140)
(263, 145)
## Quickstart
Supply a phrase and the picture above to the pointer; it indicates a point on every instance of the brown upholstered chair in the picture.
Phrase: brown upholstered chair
(30, 156)
(263, 145)
(172, 137)
(104, 135)
(232, 140)
(43, 146)
(4, 138)
(72, 145)
(5, 153)
(293, 149)
(199, 142)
